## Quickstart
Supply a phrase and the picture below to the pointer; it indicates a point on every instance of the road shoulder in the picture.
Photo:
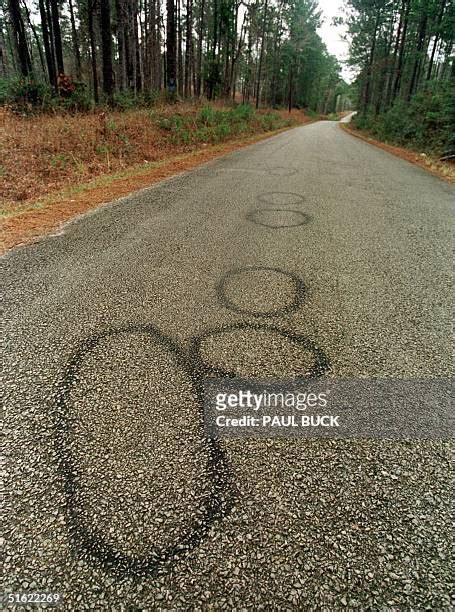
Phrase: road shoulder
(36, 220)
(442, 170)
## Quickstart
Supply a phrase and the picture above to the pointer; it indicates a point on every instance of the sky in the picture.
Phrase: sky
(332, 36)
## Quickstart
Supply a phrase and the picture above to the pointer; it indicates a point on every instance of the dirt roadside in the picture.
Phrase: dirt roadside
(34, 220)
(443, 170)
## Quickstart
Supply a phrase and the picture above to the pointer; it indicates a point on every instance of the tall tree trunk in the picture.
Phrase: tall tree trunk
(247, 80)
(121, 27)
(35, 36)
(47, 45)
(131, 45)
(106, 47)
(137, 57)
(171, 50)
(231, 46)
(75, 40)
(291, 86)
(418, 56)
(385, 78)
(275, 63)
(199, 49)
(213, 64)
(57, 36)
(433, 52)
(189, 47)
(20, 39)
(237, 53)
(3, 54)
(369, 72)
(448, 63)
(261, 55)
(436, 38)
(12, 48)
(155, 44)
(393, 66)
(229, 30)
(399, 71)
(51, 38)
(91, 31)
(179, 50)
(143, 42)
(146, 52)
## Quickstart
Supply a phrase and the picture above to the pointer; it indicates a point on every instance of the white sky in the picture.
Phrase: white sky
(332, 36)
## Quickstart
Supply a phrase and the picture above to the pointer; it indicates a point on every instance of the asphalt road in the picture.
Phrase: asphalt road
(115, 498)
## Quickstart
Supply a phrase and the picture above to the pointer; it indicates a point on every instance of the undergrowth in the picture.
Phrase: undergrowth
(425, 123)
(212, 124)
(43, 153)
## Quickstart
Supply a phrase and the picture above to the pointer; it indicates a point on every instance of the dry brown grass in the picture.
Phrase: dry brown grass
(42, 154)
(45, 153)
(55, 167)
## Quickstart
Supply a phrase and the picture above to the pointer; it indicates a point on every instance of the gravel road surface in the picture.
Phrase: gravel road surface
(115, 496)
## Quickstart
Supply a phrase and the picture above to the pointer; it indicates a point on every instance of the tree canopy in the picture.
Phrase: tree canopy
(264, 51)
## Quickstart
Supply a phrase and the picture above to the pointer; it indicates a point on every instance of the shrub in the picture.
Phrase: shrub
(4, 91)
(243, 112)
(164, 123)
(150, 98)
(202, 134)
(222, 131)
(425, 122)
(78, 101)
(271, 121)
(28, 96)
(208, 116)
(182, 136)
(124, 100)
(25, 95)
(127, 100)
(212, 124)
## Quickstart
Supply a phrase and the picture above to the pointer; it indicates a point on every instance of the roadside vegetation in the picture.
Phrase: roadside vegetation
(44, 153)
(426, 123)
(405, 89)
(56, 167)
(102, 90)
